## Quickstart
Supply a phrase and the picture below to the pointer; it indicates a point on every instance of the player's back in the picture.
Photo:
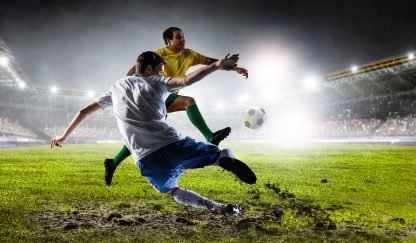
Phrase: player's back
(138, 104)
(140, 98)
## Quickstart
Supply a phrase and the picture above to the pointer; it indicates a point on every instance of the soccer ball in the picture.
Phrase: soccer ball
(254, 117)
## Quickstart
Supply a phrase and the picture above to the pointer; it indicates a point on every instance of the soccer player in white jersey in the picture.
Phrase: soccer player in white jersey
(160, 151)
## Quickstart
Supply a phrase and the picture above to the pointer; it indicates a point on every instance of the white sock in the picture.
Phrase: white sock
(190, 198)
(227, 153)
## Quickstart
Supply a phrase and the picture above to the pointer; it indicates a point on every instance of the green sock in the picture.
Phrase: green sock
(198, 121)
(122, 155)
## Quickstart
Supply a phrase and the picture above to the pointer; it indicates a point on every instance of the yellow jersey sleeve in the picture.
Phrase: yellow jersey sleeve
(178, 63)
(197, 58)
(159, 52)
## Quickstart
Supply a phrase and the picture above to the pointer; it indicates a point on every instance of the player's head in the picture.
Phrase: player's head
(149, 63)
(174, 37)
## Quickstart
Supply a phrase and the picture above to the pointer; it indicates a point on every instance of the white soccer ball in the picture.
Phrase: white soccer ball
(254, 117)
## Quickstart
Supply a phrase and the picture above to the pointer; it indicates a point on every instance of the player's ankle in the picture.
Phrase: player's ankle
(227, 153)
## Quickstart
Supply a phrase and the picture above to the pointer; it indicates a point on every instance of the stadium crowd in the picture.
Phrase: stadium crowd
(355, 127)
(13, 128)
(30, 114)
(87, 132)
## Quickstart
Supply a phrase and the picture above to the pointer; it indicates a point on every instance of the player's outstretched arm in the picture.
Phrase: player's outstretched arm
(242, 71)
(76, 121)
(227, 63)
(237, 69)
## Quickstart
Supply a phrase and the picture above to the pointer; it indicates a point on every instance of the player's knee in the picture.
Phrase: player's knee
(190, 101)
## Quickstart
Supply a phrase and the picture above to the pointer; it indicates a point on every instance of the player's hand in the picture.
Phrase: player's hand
(242, 71)
(228, 62)
(57, 142)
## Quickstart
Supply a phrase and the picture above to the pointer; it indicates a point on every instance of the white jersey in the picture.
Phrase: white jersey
(139, 107)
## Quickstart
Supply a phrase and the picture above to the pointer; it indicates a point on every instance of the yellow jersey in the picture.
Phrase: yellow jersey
(177, 63)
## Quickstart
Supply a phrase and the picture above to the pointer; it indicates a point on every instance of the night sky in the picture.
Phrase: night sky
(89, 44)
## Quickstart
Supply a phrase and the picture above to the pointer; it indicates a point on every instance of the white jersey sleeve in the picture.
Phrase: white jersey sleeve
(160, 78)
(104, 100)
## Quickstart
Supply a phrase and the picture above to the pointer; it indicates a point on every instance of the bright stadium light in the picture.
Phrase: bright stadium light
(54, 90)
(4, 61)
(293, 123)
(411, 56)
(354, 69)
(273, 63)
(90, 94)
(21, 84)
(271, 67)
(311, 83)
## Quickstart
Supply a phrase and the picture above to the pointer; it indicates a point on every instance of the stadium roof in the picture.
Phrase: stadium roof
(399, 67)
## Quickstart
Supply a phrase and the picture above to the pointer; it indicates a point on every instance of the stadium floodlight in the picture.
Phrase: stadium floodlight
(354, 69)
(21, 84)
(311, 83)
(4, 61)
(54, 90)
(90, 94)
(293, 123)
(411, 56)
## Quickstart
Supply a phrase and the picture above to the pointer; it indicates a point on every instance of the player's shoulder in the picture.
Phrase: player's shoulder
(161, 51)
(158, 78)
(130, 80)
(189, 51)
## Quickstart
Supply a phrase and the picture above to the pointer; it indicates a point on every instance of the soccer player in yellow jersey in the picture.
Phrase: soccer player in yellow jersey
(178, 60)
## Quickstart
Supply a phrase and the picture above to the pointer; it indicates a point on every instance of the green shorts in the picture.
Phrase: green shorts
(171, 98)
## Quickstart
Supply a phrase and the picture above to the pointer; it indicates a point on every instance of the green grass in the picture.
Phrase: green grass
(60, 195)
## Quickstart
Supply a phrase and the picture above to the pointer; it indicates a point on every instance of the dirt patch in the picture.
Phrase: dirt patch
(190, 217)
(265, 217)
(184, 221)
(398, 220)
(335, 207)
(92, 219)
(268, 220)
(282, 194)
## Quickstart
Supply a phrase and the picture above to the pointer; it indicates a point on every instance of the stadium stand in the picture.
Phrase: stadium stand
(382, 89)
(378, 99)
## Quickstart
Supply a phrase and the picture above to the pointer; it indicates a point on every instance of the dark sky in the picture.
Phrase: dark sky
(88, 44)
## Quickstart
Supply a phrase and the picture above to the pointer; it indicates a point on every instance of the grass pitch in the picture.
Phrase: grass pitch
(304, 193)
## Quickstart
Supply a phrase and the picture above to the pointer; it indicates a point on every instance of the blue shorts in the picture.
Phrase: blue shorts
(163, 167)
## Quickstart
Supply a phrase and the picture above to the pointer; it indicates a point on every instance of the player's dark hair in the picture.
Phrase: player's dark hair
(168, 33)
(148, 58)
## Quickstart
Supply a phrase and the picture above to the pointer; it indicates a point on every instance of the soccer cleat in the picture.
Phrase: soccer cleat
(238, 168)
(232, 210)
(109, 171)
(219, 135)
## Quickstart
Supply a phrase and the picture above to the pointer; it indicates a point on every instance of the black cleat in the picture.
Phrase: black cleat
(109, 171)
(219, 135)
(239, 169)
(232, 210)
